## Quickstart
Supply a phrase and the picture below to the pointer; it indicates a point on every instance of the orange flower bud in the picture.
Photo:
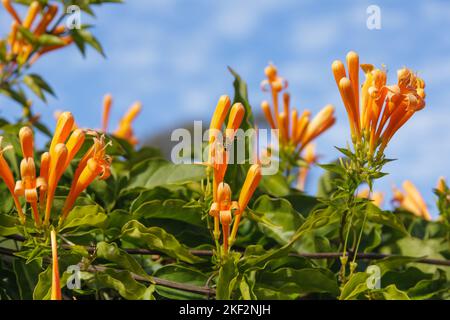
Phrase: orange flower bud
(26, 142)
(107, 102)
(57, 162)
(7, 176)
(441, 186)
(31, 15)
(267, 113)
(64, 126)
(218, 118)
(338, 71)
(74, 144)
(11, 10)
(271, 72)
(234, 121)
(224, 196)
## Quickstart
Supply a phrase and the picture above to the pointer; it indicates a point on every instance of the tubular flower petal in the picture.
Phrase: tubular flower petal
(310, 157)
(237, 113)
(64, 126)
(107, 102)
(250, 184)
(295, 131)
(441, 185)
(11, 10)
(377, 110)
(411, 200)
(26, 142)
(56, 285)
(7, 176)
(31, 15)
(125, 130)
(46, 19)
(57, 163)
(74, 144)
(218, 118)
(95, 163)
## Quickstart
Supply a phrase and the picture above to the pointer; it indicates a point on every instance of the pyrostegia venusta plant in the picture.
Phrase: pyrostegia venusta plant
(222, 207)
(39, 191)
(411, 200)
(125, 128)
(377, 111)
(296, 130)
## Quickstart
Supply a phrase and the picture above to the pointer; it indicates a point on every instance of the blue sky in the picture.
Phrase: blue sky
(172, 56)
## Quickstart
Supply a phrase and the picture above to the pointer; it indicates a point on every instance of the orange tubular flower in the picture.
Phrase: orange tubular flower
(8, 178)
(107, 102)
(95, 163)
(295, 131)
(28, 185)
(11, 10)
(56, 285)
(250, 184)
(377, 111)
(310, 157)
(218, 154)
(125, 130)
(441, 185)
(376, 197)
(411, 200)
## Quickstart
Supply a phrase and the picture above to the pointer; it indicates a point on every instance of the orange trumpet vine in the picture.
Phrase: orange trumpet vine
(377, 110)
(295, 130)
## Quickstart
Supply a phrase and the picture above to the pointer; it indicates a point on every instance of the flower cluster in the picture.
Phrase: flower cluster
(295, 130)
(125, 129)
(411, 200)
(21, 47)
(223, 207)
(39, 191)
(377, 111)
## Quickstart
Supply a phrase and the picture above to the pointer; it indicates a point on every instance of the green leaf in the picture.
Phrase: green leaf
(26, 277)
(180, 274)
(355, 286)
(50, 40)
(120, 281)
(8, 225)
(84, 216)
(171, 209)
(275, 185)
(156, 173)
(110, 252)
(387, 218)
(155, 238)
(391, 292)
(228, 276)
(276, 218)
(296, 283)
(83, 36)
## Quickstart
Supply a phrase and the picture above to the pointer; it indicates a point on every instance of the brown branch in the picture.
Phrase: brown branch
(316, 255)
(210, 292)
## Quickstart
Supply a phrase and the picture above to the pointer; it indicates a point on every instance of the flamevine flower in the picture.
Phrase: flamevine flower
(411, 200)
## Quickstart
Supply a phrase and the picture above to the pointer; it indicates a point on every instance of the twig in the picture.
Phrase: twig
(210, 292)
(317, 255)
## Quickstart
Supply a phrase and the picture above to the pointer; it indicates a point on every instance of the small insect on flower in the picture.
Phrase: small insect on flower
(296, 130)
(377, 111)
(125, 129)
(411, 200)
